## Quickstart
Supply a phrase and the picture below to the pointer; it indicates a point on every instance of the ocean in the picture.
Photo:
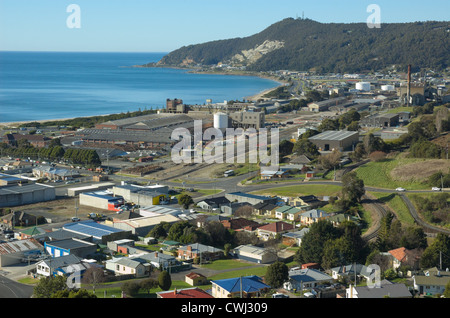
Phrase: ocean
(56, 85)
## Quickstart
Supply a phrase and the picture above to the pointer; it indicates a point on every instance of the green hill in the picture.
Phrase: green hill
(303, 44)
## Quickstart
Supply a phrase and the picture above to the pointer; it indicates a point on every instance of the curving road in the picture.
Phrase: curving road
(12, 289)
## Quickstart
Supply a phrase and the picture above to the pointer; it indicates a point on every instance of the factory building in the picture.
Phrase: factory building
(21, 194)
(143, 195)
(340, 140)
(102, 200)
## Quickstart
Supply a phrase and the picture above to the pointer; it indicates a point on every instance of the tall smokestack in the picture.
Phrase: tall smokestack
(408, 91)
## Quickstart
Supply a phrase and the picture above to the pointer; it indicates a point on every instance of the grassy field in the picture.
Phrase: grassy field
(303, 189)
(390, 173)
(396, 204)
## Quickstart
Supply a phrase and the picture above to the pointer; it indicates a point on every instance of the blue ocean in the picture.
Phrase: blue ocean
(57, 85)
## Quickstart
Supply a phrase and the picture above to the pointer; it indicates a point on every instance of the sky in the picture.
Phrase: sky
(165, 25)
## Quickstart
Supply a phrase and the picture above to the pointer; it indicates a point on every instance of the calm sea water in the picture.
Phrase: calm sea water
(54, 85)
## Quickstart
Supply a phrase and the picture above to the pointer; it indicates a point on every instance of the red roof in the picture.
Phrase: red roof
(185, 293)
(277, 227)
(399, 253)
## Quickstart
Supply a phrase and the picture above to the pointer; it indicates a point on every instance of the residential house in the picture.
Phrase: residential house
(288, 212)
(161, 261)
(307, 278)
(201, 251)
(254, 254)
(128, 266)
(350, 271)
(196, 279)
(337, 219)
(385, 289)
(55, 265)
(432, 282)
(232, 207)
(18, 218)
(31, 232)
(310, 201)
(271, 230)
(213, 203)
(264, 209)
(190, 293)
(271, 174)
(402, 256)
(247, 287)
(312, 216)
(294, 238)
(54, 173)
(201, 220)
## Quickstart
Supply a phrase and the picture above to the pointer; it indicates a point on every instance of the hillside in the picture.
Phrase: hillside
(303, 44)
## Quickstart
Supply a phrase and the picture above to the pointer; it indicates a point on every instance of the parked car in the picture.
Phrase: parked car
(400, 189)
(279, 295)
(436, 189)
(75, 219)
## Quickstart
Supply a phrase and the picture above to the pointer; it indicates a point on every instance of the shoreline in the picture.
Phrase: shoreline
(251, 98)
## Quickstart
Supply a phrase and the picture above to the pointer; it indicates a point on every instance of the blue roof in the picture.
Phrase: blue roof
(91, 228)
(249, 284)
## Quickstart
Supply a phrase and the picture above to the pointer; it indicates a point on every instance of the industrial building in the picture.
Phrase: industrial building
(247, 119)
(100, 233)
(326, 104)
(13, 252)
(143, 195)
(22, 194)
(340, 140)
(381, 121)
(141, 226)
(102, 200)
(70, 246)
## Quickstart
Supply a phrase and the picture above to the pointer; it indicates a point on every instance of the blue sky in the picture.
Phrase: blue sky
(162, 26)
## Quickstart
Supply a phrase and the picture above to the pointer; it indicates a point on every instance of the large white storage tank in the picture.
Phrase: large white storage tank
(387, 88)
(221, 121)
(363, 86)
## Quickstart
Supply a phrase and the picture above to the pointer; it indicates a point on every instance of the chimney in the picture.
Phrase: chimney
(175, 291)
(343, 270)
(408, 91)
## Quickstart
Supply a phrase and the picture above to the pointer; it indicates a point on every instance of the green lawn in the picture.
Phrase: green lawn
(303, 189)
(377, 174)
(397, 205)
(222, 264)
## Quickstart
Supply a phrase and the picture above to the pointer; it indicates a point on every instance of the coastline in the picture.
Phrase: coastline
(252, 98)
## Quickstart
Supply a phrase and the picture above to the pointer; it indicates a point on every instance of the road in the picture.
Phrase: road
(12, 289)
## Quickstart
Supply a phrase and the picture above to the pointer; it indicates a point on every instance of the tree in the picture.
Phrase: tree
(47, 286)
(285, 148)
(447, 290)
(94, 276)
(311, 249)
(305, 147)
(164, 280)
(185, 200)
(276, 274)
(330, 160)
(148, 284)
(82, 293)
(131, 288)
(352, 188)
(431, 257)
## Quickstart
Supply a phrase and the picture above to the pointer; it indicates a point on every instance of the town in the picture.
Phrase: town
(357, 208)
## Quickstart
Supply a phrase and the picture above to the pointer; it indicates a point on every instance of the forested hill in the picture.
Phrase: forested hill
(303, 44)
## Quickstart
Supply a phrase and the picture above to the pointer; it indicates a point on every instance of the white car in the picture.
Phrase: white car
(400, 189)
(436, 189)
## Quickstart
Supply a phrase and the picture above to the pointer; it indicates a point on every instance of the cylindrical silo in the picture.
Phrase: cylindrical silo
(221, 121)
(363, 86)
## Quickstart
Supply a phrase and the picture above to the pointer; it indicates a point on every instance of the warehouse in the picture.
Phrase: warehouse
(141, 226)
(143, 195)
(70, 246)
(13, 252)
(25, 194)
(100, 233)
(102, 200)
(381, 120)
(335, 140)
